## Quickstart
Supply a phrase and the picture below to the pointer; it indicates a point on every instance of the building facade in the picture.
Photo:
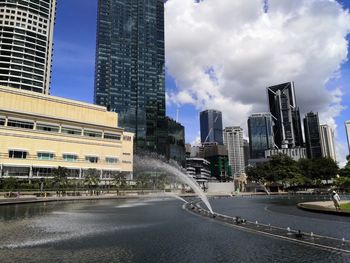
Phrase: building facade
(26, 40)
(286, 117)
(199, 169)
(217, 155)
(327, 142)
(260, 134)
(176, 142)
(129, 71)
(233, 137)
(296, 153)
(39, 133)
(347, 129)
(211, 126)
(312, 135)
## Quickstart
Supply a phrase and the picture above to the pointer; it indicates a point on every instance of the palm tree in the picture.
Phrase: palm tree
(60, 180)
(119, 180)
(92, 179)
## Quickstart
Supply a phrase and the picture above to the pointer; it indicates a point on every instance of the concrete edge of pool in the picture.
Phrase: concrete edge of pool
(296, 236)
(325, 207)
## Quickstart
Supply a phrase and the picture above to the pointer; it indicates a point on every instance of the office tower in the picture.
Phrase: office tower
(211, 126)
(129, 72)
(260, 134)
(175, 148)
(233, 137)
(26, 38)
(246, 151)
(312, 135)
(327, 142)
(347, 128)
(286, 117)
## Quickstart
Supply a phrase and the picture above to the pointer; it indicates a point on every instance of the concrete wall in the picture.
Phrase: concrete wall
(224, 188)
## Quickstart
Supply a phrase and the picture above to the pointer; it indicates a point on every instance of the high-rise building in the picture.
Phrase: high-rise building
(211, 126)
(347, 128)
(246, 152)
(327, 141)
(286, 117)
(260, 134)
(26, 39)
(312, 135)
(233, 137)
(129, 72)
(175, 148)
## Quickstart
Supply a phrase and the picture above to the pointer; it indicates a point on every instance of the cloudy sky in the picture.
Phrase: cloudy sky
(223, 54)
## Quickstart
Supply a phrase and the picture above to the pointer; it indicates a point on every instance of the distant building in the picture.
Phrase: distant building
(233, 137)
(26, 44)
(130, 66)
(347, 128)
(286, 117)
(260, 134)
(198, 169)
(175, 147)
(294, 153)
(327, 142)
(312, 135)
(211, 126)
(39, 133)
(246, 152)
(217, 156)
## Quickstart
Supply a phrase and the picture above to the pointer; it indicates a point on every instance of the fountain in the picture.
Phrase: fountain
(153, 162)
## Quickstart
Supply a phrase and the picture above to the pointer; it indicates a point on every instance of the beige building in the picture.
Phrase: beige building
(40, 132)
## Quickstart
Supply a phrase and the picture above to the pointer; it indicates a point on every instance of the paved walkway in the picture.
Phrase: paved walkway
(324, 207)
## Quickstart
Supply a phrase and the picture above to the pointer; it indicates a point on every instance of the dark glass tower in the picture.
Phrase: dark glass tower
(286, 116)
(312, 135)
(260, 134)
(129, 74)
(211, 126)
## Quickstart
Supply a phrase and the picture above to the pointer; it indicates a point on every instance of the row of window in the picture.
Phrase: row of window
(24, 14)
(68, 157)
(56, 129)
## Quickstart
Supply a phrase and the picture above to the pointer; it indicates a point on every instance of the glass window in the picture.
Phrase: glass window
(111, 160)
(45, 156)
(70, 157)
(2, 121)
(96, 134)
(111, 136)
(18, 154)
(71, 131)
(20, 124)
(91, 159)
(47, 127)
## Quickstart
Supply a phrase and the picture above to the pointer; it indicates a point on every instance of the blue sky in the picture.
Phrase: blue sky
(74, 59)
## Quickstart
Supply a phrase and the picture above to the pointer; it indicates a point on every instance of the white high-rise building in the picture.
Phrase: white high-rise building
(26, 39)
(347, 128)
(327, 141)
(233, 139)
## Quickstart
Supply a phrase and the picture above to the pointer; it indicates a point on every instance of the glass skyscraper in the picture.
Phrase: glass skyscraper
(312, 135)
(211, 126)
(129, 73)
(286, 117)
(260, 134)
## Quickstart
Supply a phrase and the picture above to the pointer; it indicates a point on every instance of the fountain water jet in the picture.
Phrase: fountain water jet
(152, 162)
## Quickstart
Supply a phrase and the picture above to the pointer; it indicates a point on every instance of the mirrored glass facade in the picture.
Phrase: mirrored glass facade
(260, 134)
(312, 135)
(129, 74)
(211, 126)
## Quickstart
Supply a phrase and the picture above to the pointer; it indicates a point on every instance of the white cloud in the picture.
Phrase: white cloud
(223, 54)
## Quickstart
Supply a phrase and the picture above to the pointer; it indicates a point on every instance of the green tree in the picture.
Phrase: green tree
(119, 180)
(10, 183)
(60, 179)
(92, 179)
(326, 168)
(142, 181)
(345, 172)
